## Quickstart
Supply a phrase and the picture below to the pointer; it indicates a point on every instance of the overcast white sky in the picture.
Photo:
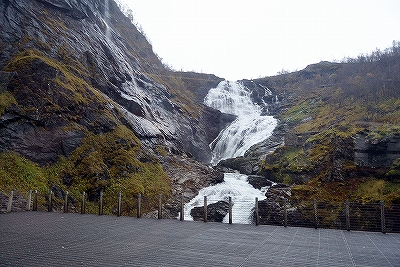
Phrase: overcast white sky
(255, 38)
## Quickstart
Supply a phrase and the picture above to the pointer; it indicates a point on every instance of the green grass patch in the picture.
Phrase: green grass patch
(17, 172)
(6, 99)
(377, 189)
(303, 110)
(383, 130)
(70, 76)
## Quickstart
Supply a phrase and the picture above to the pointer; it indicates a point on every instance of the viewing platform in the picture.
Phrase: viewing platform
(72, 239)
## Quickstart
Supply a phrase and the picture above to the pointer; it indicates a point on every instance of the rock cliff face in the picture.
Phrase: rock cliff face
(44, 42)
(373, 153)
(76, 68)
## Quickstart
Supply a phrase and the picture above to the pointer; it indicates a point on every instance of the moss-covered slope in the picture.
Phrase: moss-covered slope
(344, 129)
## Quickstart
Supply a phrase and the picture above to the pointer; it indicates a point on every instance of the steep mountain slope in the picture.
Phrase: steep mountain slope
(339, 132)
(84, 96)
(86, 105)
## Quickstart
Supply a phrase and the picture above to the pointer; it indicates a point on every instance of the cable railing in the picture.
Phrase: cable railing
(350, 216)
(356, 216)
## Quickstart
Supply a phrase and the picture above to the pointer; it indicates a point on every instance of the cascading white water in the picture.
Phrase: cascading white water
(235, 186)
(106, 17)
(248, 129)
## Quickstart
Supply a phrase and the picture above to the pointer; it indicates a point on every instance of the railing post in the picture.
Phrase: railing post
(285, 213)
(101, 203)
(315, 214)
(10, 199)
(66, 202)
(383, 222)
(83, 206)
(205, 209)
(50, 204)
(347, 204)
(139, 206)
(119, 204)
(182, 215)
(230, 210)
(35, 201)
(159, 206)
(256, 212)
(28, 204)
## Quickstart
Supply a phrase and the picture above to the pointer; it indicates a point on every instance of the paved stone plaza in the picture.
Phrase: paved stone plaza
(58, 239)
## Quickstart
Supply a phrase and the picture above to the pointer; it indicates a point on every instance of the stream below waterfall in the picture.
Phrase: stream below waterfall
(235, 185)
(248, 129)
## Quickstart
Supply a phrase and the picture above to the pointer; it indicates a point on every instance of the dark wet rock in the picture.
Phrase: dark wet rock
(215, 212)
(187, 178)
(43, 148)
(271, 209)
(75, 9)
(5, 78)
(376, 153)
(258, 181)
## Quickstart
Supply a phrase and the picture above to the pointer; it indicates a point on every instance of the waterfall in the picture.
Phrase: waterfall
(235, 186)
(106, 17)
(248, 129)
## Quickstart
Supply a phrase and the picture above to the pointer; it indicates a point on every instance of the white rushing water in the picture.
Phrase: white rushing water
(248, 129)
(235, 186)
